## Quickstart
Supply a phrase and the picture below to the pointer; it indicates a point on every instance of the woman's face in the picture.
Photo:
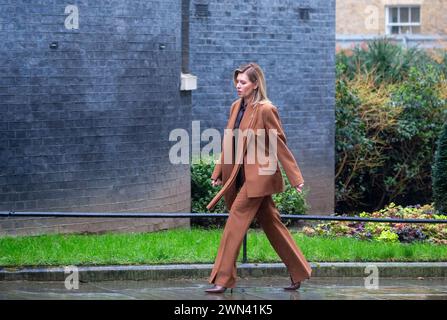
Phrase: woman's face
(244, 86)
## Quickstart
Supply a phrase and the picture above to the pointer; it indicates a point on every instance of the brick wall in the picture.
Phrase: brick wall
(85, 127)
(297, 56)
(354, 16)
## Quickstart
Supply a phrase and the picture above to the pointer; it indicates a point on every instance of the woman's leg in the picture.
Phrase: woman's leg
(241, 215)
(282, 241)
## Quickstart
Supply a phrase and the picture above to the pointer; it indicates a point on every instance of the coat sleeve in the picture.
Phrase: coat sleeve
(217, 172)
(284, 155)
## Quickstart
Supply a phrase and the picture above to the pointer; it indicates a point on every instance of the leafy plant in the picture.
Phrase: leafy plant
(440, 172)
(386, 61)
(388, 236)
(202, 192)
(411, 153)
(408, 234)
(388, 232)
(386, 130)
(290, 201)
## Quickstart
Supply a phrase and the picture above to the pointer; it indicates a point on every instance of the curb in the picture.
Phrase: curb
(162, 272)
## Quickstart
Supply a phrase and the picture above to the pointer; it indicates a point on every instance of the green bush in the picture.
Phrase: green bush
(412, 144)
(202, 192)
(386, 131)
(440, 172)
(290, 201)
(388, 62)
(351, 144)
(287, 202)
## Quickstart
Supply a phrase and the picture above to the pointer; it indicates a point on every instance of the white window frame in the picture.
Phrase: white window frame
(389, 25)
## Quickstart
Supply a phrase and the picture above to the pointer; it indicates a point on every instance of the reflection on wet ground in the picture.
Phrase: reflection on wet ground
(265, 288)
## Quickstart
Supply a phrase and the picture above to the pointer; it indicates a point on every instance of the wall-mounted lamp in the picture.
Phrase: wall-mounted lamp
(54, 45)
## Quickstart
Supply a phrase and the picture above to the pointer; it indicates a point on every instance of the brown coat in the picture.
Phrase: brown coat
(263, 116)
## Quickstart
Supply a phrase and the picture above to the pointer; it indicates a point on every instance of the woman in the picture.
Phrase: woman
(249, 180)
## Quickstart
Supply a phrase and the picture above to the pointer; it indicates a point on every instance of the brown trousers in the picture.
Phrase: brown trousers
(242, 213)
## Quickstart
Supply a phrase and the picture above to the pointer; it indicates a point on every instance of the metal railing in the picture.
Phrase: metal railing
(208, 215)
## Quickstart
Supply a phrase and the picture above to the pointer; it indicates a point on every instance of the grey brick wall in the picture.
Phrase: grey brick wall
(85, 127)
(298, 57)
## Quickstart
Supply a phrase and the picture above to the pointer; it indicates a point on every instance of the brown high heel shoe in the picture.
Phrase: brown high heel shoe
(293, 286)
(218, 289)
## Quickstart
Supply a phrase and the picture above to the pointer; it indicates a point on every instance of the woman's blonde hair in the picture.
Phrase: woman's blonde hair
(255, 75)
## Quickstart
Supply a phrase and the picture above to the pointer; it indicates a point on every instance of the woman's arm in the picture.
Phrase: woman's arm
(217, 172)
(284, 155)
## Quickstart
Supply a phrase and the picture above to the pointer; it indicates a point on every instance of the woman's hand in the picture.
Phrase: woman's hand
(216, 182)
(299, 188)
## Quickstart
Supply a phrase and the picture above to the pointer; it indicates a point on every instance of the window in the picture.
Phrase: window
(403, 19)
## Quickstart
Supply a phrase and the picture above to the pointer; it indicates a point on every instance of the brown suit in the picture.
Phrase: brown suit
(254, 199)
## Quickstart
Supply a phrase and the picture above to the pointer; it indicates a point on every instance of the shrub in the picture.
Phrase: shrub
(202, 193)
(290, 201)
(362, 116)
(386, 61)
(201, 190)
(412, 144)
(440, 172)
(386, 133)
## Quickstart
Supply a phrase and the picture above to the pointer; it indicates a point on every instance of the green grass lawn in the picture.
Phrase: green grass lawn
(194, 246)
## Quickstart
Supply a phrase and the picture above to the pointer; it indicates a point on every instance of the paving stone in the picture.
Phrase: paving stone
(248, 288)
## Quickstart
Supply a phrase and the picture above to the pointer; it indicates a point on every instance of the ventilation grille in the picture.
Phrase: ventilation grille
(304, 13)
(202, 10)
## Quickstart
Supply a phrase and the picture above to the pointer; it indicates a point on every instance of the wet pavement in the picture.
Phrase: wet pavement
(253, 288)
